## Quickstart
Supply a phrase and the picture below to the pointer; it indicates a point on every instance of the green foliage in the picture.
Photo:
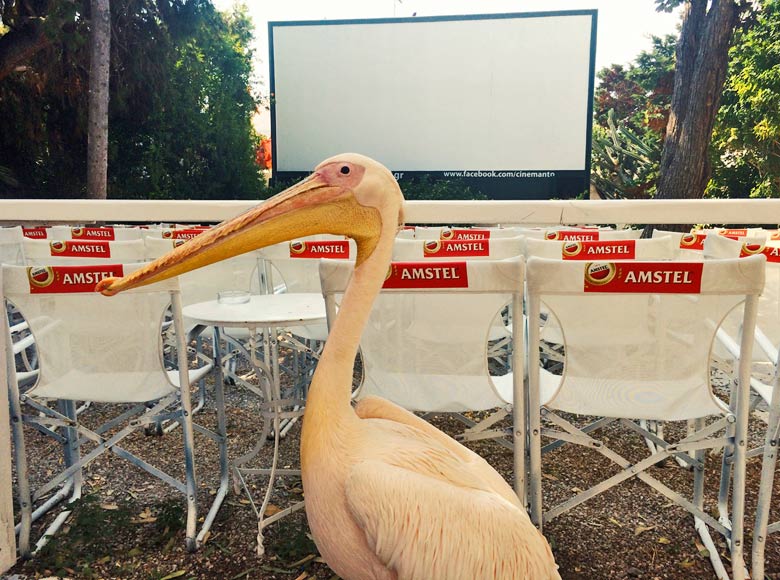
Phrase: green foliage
(747, 135)
(179, 113)
(624, 164)
(426, 187)
(631, 110)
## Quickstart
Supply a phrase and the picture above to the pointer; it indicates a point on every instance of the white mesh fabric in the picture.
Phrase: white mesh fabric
(768, 320)
(426, 349)
(95, 348)
(637, 355)
(40, 253)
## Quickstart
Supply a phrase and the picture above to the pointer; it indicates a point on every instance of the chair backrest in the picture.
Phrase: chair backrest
(690, 246)
(425, 344)
(720, 247)
(485, 249)
(88, 251)
(294, 266)
(655, 249)
(91, 347)
(11, 248)
(237, 273)
(637, 335)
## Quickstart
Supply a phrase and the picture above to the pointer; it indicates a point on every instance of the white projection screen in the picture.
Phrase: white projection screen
(501, 101)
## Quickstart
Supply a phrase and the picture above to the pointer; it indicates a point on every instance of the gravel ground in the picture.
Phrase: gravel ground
(130, 525)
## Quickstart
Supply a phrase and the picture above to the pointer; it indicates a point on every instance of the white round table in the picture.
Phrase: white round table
(265, 313)
(261, 311)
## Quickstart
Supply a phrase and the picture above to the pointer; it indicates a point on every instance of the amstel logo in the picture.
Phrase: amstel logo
(40, 276)
(57, 247)
(432, 246)
(571, 249)
(693, 240)
(167, 234)
(177, 243)
(751, 248)
(447, 234)
(76, 232)
(599, 273)
(552, 236)
(297, 247)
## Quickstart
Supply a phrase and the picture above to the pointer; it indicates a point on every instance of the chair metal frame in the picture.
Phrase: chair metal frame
(335, 277)
(62, 425)
(734, 438)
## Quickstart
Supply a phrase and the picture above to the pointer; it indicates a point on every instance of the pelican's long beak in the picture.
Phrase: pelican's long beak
(310, 207)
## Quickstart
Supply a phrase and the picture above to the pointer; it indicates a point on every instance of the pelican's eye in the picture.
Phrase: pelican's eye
(344, 170)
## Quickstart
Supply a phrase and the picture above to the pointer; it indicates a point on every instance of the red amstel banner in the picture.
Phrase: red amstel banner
(427, 275)
(104, 233)
(67, 279)
(594, 249)
(772, 253)
(575, 235)
(734, 234)
(182, 234)
(693, 241)
(464, 234)
(644, 277)
(36, 233)
(456, 248)
(334, 249)
(76, 248)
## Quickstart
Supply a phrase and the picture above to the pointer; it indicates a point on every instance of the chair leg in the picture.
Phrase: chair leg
(72, 455)
(224, 468)
(22, 471)
(765, 491)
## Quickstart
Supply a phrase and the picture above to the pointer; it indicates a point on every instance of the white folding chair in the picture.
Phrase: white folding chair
(764, 384)
(637, 340)
(108, 350)
(425, 346)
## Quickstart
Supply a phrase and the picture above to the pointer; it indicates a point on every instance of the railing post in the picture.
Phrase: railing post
(7, 536)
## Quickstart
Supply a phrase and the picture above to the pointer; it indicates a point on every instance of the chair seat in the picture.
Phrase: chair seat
(436, 393)
(643, 396)
(137, 387)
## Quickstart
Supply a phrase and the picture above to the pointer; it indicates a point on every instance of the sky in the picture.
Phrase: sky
(624, 26)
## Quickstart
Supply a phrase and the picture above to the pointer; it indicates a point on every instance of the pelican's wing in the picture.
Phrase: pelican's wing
(466, 461)
(424, 527)
(379, 408)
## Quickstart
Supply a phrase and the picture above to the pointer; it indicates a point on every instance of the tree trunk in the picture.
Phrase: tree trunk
(99, 65)
(700, 71)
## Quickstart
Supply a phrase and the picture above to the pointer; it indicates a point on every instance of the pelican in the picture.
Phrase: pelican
(388, 496)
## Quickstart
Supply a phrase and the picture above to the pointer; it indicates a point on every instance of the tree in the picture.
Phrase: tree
(701, 62)
(630, 113)
(747, 134)
(99, 66)
(180, 105)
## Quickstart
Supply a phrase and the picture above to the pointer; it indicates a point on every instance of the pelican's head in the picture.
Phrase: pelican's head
(349, 194)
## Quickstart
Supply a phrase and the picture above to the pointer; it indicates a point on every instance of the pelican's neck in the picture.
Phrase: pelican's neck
(329, 397)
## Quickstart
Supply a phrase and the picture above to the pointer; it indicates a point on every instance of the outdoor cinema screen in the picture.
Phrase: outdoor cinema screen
(502, 101)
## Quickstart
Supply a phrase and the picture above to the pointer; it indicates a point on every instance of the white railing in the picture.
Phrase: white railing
(710, 211)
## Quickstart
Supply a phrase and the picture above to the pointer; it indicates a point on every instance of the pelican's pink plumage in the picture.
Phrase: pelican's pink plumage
(388, 496)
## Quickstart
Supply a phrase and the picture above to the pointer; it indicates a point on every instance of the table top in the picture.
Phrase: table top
(261, 310)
